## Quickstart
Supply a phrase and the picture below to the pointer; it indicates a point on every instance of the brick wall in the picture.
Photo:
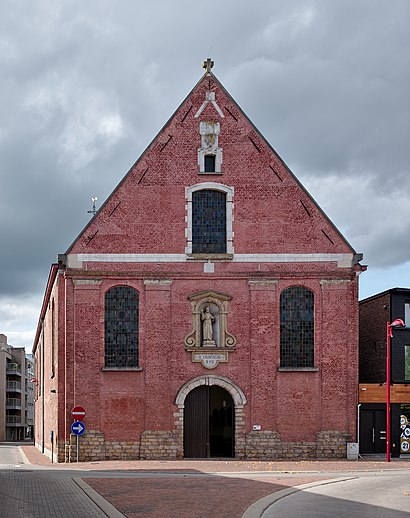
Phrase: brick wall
(266, 194)
(47, 388)
(133, 412)
(166, 445)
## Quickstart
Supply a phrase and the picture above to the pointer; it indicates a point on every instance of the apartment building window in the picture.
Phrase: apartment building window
(407, 362)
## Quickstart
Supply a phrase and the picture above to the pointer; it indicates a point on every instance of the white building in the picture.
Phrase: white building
(16, 392)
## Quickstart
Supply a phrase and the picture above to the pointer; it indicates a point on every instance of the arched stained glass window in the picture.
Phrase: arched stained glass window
(121, 327)
(297, 327)
(208, 222)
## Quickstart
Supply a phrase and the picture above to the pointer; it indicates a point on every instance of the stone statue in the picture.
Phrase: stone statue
(207, 320)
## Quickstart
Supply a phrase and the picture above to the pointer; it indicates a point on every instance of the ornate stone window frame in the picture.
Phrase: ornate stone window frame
(229, 191)
(225, 339)
(209, 131)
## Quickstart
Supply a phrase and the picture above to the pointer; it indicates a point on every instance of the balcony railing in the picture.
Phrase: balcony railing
(13, 419)
(14, 402)
(13, 368)
(13, 385)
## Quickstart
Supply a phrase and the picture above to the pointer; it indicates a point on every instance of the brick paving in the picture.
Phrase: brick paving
(200, 488)
(37, 494)
(188, 497)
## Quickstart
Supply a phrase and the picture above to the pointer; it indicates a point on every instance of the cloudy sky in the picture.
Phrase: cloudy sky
(85, 86)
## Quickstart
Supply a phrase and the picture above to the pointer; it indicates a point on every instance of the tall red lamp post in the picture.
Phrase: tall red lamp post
(389, 333)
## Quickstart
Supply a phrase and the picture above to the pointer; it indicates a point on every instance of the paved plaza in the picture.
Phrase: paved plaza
(31, 486)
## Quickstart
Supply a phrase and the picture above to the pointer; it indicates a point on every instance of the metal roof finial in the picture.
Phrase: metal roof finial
(208, 64)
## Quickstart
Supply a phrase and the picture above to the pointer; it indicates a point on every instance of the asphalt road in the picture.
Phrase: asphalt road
(370, 495)
(10, 455)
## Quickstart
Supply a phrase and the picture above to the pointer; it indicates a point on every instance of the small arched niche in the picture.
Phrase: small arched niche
(209, 321)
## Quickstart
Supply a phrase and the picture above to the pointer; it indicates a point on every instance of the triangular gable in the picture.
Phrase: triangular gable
(169, 163)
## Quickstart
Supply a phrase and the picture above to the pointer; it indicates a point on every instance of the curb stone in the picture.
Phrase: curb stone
(257, 509)
(24, 456)
(105, 506)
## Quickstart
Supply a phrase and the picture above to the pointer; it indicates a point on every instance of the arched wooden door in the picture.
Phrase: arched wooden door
(209, 423)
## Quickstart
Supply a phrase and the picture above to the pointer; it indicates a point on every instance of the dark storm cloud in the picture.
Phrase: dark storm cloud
(85, 86)
(337, 82)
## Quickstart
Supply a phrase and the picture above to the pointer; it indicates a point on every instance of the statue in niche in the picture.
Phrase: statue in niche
(209, 322)
(207, 332)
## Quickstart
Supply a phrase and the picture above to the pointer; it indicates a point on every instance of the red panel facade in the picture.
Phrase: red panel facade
(140, 238)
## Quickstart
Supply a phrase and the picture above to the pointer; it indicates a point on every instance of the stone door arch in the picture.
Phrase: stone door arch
(239, 401)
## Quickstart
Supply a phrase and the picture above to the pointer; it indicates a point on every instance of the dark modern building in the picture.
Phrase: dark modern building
(375, 312)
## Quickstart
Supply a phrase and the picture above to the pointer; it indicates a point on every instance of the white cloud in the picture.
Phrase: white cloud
(19, 317)
(377, 223)
(90, 126)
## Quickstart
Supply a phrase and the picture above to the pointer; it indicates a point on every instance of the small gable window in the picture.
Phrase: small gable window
(121, 327)
(297, 327)
(209, 154)
(209, 163)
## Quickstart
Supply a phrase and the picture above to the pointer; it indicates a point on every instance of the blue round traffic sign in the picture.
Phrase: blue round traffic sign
(78, 428)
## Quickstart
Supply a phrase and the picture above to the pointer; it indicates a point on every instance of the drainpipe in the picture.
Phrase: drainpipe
(42, 387)
(358, 430)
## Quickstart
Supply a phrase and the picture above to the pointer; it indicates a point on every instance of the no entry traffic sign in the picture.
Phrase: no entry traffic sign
(78, 413)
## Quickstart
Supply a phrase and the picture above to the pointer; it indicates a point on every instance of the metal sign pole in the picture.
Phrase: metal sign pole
(78, 427)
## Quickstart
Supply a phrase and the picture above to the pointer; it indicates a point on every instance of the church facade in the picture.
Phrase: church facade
(209, 308)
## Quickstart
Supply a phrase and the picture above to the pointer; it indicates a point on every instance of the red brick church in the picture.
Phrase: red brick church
(209, 308)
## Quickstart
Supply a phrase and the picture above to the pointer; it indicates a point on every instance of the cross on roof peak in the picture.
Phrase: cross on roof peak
(208, 64)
